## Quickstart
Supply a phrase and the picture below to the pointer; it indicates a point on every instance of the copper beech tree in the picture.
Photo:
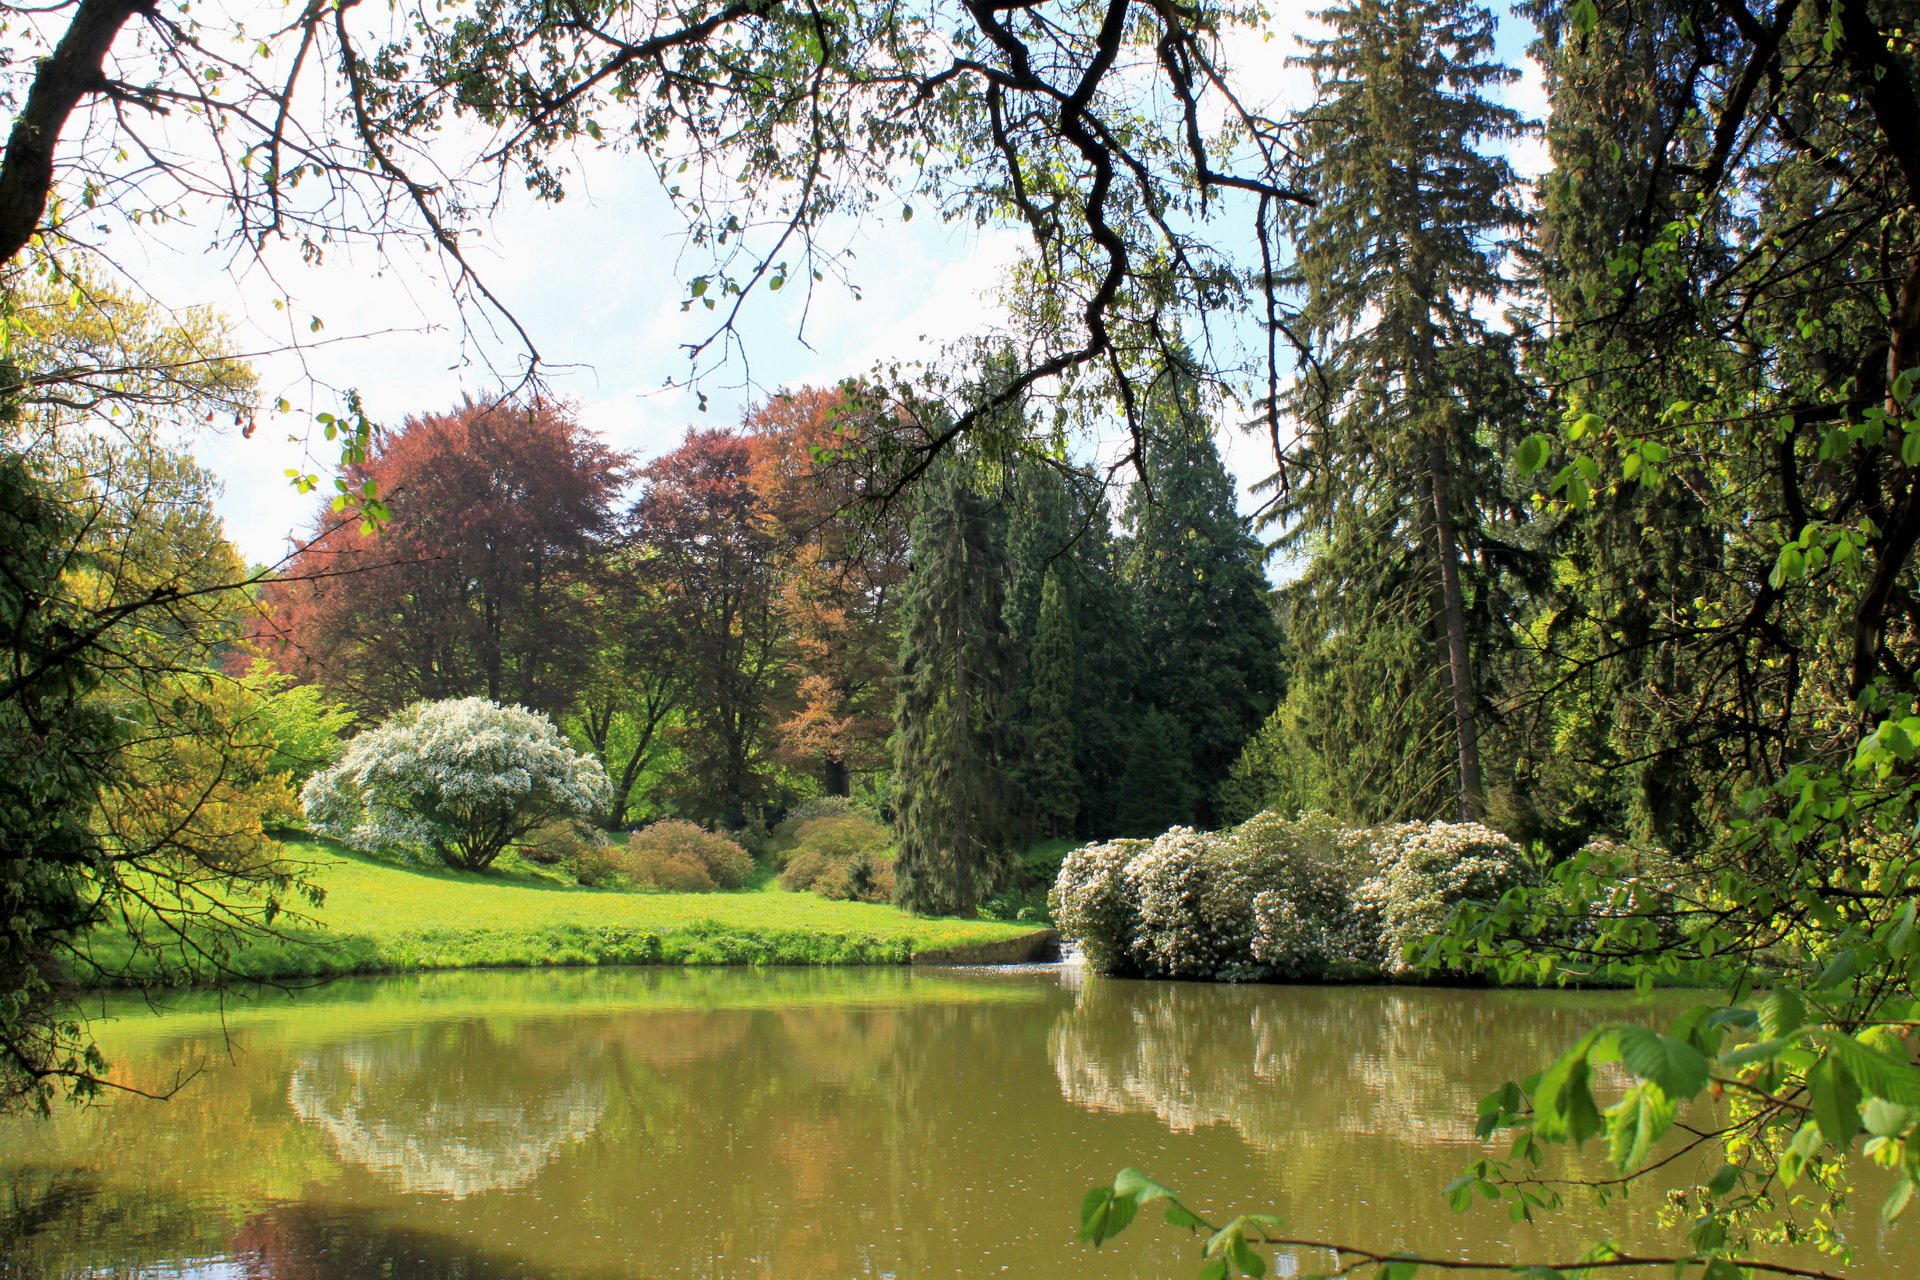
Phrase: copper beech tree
(497, 509)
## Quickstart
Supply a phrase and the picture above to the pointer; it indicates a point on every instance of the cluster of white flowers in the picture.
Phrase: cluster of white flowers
(1423, 870)
(1092, 902)
(1275, 897)
(438, 772)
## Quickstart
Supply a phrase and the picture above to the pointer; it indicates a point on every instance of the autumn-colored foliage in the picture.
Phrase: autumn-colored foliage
(840, 560)
(497, 508)
(702, 552)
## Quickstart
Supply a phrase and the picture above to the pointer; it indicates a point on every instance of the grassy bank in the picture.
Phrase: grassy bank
(382, 918)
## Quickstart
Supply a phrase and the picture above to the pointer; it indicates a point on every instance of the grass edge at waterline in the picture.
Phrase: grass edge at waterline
(380, 917)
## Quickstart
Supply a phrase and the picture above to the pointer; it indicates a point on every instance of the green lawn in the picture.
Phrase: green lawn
(379, 917)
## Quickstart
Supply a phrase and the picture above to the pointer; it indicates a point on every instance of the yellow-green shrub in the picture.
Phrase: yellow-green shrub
(681, 857)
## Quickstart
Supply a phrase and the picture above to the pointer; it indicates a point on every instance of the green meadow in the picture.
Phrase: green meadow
(379, 917)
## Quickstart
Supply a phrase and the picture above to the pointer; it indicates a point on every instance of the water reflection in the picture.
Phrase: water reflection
(771, 1126)
(437, 1111)
(1279, 1064)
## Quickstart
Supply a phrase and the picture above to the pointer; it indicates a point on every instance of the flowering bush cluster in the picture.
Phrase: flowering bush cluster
(461, 779)
(1422, 870)
(683, 857)
(1276, 897)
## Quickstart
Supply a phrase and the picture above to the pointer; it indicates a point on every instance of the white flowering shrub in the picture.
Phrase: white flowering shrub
(1188, 927)
(461, 780)
(1094, 904)
(1305, 922)
(1422, 870)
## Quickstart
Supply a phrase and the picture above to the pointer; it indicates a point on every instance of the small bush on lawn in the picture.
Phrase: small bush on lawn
(573, 849)
(681, 857)
(845, 856)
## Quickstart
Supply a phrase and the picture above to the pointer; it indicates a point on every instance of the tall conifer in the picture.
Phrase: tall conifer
(1053, 780)
(959, 817)
(1210, 648)
(1398, 469)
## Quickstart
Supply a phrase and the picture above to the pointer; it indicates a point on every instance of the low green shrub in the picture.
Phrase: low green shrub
(843, 855)
(682, 857)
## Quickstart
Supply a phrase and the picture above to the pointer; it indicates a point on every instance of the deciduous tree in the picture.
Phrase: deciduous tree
(496, 509)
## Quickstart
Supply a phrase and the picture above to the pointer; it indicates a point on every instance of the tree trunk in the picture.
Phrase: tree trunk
(59, 82)
(1453, 621)
(834, 777)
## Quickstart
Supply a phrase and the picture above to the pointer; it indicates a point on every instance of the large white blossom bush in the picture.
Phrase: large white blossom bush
(1190, 926)
(1093, 903)
(1305, 921)
(1422, 871)
(461, 780)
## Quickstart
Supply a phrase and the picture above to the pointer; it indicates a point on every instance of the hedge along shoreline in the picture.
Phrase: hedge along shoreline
(1277, 898)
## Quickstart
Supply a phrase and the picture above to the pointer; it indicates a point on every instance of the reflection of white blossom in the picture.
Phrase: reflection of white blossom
(1271, 1066)
(443, 1143)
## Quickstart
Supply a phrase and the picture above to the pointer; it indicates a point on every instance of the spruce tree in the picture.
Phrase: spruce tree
(1059, 525)
(1396, 479)
(959, 817)
(1210, 647)
(1053, 778)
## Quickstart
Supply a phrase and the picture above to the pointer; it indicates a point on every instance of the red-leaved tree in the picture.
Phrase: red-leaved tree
(498, 510)
(701, 550)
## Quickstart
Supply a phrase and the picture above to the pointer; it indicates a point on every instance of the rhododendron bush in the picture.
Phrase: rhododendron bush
(1277, 897)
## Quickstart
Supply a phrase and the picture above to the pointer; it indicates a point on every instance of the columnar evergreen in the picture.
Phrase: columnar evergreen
(1053, 779)
(1210, 648)
(1397, 479)
(960, 818)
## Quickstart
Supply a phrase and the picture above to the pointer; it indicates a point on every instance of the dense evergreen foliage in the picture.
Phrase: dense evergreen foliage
(960, 817)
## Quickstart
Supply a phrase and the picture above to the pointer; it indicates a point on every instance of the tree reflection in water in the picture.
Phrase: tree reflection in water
(447, 1110)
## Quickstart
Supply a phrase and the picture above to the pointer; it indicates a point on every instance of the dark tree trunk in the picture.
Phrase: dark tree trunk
(75, 69)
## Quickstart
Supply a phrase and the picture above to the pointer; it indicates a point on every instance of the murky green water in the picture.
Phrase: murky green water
(800, 1125)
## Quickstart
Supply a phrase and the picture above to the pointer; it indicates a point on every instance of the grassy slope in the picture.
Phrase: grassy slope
(379, 917)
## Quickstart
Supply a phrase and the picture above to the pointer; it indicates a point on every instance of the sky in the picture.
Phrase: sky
(598, 281)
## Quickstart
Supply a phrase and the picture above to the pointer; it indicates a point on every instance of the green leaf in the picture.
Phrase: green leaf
(1896, 1202)
(1676, 1066)
(1532, 454)
(1399, 1269)
(1636, 1122)
(1245, 1257)
(1836, 1101)
(1782, 1012)
(1104, 1215)
(1138, 1187)
(1877, 1073)
(1723, 1181)
(1563, 1103)
(1214, 1269)
(1747, 1054)
(1885, 1119)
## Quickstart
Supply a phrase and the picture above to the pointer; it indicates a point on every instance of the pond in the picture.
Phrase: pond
(793, 1124)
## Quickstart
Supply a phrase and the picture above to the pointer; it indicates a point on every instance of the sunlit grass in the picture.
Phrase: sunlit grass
(379, 917)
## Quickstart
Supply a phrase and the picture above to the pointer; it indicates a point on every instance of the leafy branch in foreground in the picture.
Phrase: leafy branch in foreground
(1233, 1247)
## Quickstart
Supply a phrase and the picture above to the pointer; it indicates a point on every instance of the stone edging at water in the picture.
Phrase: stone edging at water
(1030, 948)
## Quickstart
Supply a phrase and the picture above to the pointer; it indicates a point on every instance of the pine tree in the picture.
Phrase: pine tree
(959, 818)
(1397, 464)
(1053, 778)
(1210, 646)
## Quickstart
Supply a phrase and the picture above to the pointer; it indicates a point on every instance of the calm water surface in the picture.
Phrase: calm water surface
(793, 1125)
